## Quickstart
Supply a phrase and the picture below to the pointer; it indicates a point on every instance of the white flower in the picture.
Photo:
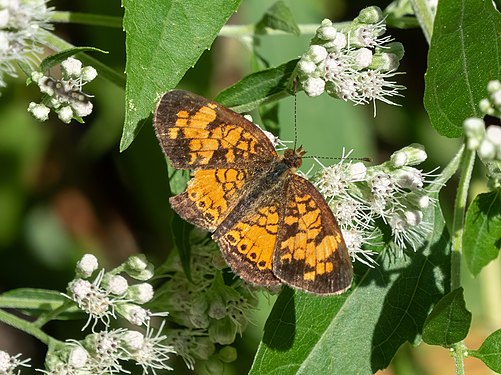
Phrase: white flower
(71, 67)
(117, 285)
(20, 37)
(141, 293)
(362, 58)
(474, 129)
(314, 86)
(78, 357)
(88, 73)
(87, 265)
(151, 354)
(65, 114)
(92, 299)
(317, 53)
(39, 111)
(9, 364)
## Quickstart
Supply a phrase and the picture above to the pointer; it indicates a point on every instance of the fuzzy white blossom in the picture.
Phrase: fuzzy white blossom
(65, 95)
(354, 64)
(21, 33)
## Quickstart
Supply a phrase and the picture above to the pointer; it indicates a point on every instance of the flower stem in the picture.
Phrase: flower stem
(467, 163)
(250, 30)
(425, 17)
(25, 326)
(86, 19)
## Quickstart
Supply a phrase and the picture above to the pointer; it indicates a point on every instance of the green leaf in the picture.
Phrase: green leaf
(465, 54)
(278, 17)
(490, 351)
(482, 231)
(358, 333)
(36, 302)
(257, 88)
(163, 40)
(449, 321)
(59, 57)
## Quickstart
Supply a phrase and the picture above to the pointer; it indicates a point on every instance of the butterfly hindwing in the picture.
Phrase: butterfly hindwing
(210, 196)
(248, 243)
(310, 252)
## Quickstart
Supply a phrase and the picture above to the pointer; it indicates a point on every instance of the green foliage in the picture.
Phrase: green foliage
(403, 299)
(161, 48)
(490, 351)
(482, 231)
(464, 55)
(258, 88)
(59, 57)
(449, 321)
(359, 332)
(278, 17)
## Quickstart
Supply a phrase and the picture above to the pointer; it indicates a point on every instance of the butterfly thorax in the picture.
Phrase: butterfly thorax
(293, 158)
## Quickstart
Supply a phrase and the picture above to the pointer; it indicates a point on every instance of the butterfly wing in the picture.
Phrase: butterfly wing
(248, 243)
(210, 196)
(310, 252)
(197, 133)
(223, 147)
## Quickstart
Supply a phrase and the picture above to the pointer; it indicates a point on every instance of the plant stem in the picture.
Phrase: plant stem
(467, 163)
(425, 17)
(250, 30)
(43, 319)
(54, 42)
(25, 326)
(86, 19)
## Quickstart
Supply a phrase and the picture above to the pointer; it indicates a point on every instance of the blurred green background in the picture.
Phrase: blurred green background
(65, 190)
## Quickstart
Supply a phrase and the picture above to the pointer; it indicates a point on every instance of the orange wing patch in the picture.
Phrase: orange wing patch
(310, 252)
(248, 245)
(210, 196)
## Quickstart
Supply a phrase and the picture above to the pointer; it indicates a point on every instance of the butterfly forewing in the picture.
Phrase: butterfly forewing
(197, 133)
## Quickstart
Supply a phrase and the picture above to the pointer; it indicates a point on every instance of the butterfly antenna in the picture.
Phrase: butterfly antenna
(295, 114)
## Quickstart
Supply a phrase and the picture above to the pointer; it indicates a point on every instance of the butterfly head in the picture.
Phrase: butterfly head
(294, 158)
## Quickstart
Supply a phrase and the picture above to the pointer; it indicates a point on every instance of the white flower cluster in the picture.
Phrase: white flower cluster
(104, 353)
(64, 96)
(487, 141)
(354, 63)
(9, 363)
(110, 293)
(211, 311)
(20, 25)
(392, 193)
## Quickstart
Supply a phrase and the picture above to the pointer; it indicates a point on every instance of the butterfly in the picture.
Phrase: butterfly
(272, 225)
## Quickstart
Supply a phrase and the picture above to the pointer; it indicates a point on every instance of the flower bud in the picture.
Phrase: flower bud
(474, 129)
(413, 154)
(314, 86)
(86, 265)
(370, 15)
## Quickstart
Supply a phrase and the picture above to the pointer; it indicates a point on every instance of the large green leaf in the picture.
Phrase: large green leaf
(465, 54)
(359, 333)
(482, 231)
(164, 39)
(449, 322)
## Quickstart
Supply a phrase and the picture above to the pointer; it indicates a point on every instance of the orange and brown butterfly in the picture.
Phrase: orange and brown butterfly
(271, 224)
